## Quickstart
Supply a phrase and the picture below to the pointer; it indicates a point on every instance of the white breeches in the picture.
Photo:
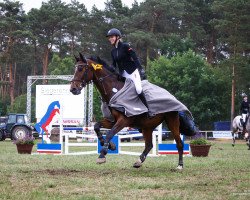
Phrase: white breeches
(135, 77)
(244, 116)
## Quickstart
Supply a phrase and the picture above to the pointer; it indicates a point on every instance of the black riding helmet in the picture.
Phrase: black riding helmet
(114, 31)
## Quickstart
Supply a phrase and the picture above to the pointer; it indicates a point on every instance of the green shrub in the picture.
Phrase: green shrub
(200, 141)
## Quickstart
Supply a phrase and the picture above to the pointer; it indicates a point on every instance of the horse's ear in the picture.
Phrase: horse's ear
(83, 58)
(77, 59)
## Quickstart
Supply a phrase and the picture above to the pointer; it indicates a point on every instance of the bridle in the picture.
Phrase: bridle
(83, 78)
(83, 81)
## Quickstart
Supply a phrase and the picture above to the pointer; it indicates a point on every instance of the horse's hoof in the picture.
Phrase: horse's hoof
(100, 160)
(180, 167)
(112, 146)
(137, 164)
(233, 145)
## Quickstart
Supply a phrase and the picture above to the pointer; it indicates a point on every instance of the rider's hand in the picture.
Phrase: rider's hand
(143, 74)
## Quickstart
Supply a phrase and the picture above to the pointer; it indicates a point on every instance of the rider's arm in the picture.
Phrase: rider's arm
(113, 61)
(133, 55)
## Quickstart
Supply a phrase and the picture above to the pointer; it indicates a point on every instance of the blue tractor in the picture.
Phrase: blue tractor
(14, 126)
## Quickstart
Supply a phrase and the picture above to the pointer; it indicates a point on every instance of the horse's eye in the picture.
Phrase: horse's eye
(80, 68)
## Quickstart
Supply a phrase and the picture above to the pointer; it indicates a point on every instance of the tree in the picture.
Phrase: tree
(196, 21)
(196, 84)
(60, 66)
(19, 106)
(12, 32)
(47, 24)
(76, 28)
(233, 26)
(152, 23)
(174, 44)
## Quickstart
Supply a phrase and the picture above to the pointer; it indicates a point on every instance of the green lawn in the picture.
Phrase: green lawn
(225, 174)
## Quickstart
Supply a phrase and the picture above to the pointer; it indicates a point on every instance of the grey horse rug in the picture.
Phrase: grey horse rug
(159, 101)
(127, 100)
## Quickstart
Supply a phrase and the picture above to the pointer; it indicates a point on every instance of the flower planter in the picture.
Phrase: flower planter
(200, 150)
(24, 148)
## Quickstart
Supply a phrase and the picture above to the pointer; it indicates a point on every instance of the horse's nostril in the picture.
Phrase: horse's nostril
(75, 91)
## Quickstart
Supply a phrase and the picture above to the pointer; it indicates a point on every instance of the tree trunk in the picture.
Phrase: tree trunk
(45, 63)
(210, 48)
(12, 84)
(72, 45)
(233, 88)
(34, 69)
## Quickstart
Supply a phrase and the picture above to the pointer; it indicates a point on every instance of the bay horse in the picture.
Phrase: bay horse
(97, 71)
(237, 127)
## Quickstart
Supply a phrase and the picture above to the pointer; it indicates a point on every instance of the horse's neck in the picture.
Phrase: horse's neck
(107, 83)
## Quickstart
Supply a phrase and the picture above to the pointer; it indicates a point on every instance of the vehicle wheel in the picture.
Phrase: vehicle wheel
(1, 135)
(19, 132)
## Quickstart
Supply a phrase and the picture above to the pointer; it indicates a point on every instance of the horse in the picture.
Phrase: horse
(237, 127)
(105, 80)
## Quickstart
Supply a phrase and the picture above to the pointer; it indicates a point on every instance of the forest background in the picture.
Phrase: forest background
(198, 50)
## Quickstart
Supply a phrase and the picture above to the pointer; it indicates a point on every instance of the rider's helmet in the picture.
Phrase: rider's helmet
(244, 95)
(114, 31)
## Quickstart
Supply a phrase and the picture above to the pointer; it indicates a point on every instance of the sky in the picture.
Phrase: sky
(28, 4)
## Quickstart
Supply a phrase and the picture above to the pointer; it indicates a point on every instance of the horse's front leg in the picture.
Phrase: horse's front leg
(148, 146)
(104, 123)
(233, 138)
(110, 134)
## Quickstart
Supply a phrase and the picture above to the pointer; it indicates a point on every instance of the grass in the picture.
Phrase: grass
(224, 174)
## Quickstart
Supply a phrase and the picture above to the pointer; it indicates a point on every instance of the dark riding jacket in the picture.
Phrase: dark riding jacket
(125, 58)
(244, 108)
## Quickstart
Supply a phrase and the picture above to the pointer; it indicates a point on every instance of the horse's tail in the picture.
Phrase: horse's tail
(187, 124)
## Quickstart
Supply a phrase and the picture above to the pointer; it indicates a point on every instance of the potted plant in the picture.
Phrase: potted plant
(25, 144)
(200, 147)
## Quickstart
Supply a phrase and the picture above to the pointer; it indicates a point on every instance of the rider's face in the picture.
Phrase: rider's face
(112, 39)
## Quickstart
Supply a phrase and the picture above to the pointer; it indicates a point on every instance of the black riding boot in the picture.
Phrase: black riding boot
(144, 101)
(244, 128)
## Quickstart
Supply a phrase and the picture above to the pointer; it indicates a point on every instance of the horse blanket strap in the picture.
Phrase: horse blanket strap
(159, 100)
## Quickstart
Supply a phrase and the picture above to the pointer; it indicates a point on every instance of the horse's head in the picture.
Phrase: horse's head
(82, 76)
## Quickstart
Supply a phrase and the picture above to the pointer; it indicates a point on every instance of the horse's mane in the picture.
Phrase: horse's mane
(98, 60)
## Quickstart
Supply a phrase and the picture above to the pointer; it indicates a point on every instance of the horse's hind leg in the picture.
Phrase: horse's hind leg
(104, 123)
(173, 123)
(147, 133)
(233, 138)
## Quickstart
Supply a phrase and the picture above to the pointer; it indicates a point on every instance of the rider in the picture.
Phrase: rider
(244, 109)
(125, 58)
